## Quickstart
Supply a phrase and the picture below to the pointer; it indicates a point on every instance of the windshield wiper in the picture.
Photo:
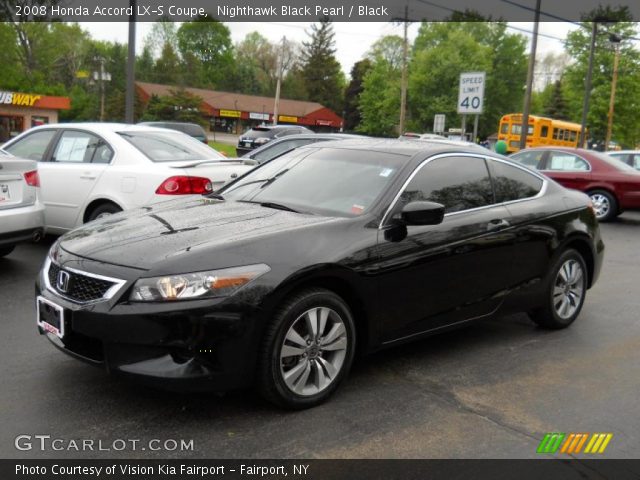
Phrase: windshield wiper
(215, 195)
(264, 181)
(278, 206)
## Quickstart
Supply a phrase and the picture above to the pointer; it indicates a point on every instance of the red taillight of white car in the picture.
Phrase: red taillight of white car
(32, 178)
(184, 185)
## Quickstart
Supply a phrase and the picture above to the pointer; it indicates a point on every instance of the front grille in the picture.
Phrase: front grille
(80, 288)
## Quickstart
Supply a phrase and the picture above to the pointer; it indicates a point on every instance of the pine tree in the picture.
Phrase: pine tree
(557, 107)
(352, 116)
(324, 80)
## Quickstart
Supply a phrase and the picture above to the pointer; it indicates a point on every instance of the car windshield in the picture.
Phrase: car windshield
(170, 146)
(325, 181)
(258, 132)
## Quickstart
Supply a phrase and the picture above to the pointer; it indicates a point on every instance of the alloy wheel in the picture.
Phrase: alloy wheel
(601, 205)
(569, 289)
(313, 351)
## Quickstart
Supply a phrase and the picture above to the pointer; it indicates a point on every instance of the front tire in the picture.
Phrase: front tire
(566, 291)
(6, 250)
(604, 204)
(307, 350)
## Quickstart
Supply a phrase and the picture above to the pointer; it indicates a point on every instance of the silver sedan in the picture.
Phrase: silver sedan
(21, 212)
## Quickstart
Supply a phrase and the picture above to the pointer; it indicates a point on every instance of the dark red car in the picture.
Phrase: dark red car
(612, 185)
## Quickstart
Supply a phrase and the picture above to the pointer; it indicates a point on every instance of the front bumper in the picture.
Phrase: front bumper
(202, 345)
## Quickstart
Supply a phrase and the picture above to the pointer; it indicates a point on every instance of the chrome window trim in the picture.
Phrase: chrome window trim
(118, 283)
(568, 171)
(542, 191)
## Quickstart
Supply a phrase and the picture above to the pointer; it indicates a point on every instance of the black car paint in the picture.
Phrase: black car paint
(383, 271)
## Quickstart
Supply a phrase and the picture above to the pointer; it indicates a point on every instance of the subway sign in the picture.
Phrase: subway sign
(18, 99)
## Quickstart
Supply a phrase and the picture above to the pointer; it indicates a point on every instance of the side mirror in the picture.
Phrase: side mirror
(422, 213)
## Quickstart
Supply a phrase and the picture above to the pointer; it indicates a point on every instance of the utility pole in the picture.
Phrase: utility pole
(131, 65)
(280, 68)
(615, 40)
(403, 81)
(587, 86)
(524, 125)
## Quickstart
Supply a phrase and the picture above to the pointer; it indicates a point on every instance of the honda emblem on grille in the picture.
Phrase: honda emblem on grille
(62, 281)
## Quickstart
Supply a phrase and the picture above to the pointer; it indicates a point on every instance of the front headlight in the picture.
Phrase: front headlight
(191, 286)
(261, 140)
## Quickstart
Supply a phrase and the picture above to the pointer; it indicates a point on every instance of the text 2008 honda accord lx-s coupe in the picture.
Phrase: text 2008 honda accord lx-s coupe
(278, 279)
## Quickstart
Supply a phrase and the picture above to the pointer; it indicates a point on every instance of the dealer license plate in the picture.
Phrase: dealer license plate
(50, 317)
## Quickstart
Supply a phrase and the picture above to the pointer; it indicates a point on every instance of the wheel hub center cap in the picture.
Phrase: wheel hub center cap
(313, 351)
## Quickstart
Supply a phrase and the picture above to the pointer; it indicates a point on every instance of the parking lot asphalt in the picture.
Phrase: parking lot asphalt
(491, 390)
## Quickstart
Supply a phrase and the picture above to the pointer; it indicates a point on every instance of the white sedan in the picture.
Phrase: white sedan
(90, 170)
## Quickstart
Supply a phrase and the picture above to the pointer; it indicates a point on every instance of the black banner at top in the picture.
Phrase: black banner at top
(312, 10)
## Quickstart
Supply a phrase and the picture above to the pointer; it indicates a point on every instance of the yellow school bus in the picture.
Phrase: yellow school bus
(542, 131)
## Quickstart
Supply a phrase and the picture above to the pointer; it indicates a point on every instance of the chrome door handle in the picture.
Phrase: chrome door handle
(88, 176)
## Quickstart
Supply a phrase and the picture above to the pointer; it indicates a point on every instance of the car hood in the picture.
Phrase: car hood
(170, 232)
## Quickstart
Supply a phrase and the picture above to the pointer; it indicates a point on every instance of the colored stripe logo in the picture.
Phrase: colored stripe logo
(573, 443)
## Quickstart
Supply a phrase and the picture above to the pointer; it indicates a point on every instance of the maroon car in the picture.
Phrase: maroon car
(612, 185)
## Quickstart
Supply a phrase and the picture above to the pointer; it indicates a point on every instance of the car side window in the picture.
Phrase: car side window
(32, 146)
(566, 162)
(512, 183)
(458, 183)
(635, 161)
(527, 158)
(81, 147)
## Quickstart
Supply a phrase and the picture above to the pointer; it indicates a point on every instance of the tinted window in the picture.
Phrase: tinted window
(544, 131)
(168, 146)
(458, 183)
(326, 181)
(504, 128)
(81, 147)
(566, 162)
(32, 146)
(635, 162)
(528, 158)
(275, 150)
(513, 183)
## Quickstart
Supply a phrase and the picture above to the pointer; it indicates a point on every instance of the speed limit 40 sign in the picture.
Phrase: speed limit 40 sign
(471, 93)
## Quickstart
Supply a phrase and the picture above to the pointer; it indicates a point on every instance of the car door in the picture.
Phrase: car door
(448, 273)
(73, 167)
(568, 169)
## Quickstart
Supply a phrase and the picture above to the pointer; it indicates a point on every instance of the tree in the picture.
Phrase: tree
(556, 106)
(207, 43)
(444, 50)
(389, 48)
(167, 68)
(352, 116)
(626, 125)
(179, 106)
(163, 32)
(379, 103)
(323, 77)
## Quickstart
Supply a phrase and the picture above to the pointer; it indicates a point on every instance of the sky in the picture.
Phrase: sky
(353, 40)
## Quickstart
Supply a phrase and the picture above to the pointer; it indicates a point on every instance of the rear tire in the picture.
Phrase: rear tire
(604, 204)
(6, 250)
(102, 211)
(307, 350)
(565, 292)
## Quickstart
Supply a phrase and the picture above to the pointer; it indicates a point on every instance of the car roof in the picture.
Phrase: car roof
(102, 127)
(405, 147)
(623, 152)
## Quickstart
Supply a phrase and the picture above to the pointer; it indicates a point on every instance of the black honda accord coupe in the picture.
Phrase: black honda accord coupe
(335, 249)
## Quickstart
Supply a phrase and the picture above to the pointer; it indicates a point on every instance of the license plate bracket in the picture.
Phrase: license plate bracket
(50, 317)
